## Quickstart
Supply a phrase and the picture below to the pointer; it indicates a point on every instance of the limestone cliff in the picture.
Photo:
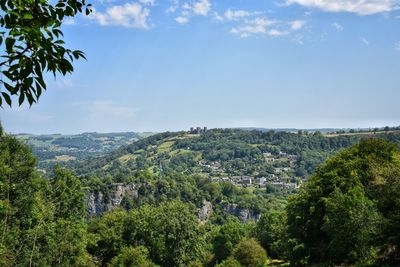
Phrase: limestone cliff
(99, 202)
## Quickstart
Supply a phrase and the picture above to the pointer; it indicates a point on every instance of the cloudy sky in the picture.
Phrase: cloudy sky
(156, 65)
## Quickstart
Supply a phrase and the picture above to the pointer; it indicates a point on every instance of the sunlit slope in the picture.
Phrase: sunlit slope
(228, 152)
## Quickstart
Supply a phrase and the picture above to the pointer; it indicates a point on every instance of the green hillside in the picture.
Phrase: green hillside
(225, 153)
(58, 148)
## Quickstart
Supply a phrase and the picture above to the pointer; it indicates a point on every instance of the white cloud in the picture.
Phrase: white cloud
(364, 40)
(147, 2)
(267, 27)
(69, 21)
(297, 24)
(182, 19)
(256, 26)
(337, 26)
(130, 15)
(201, 7)
(196, 8)
(360, 7)
(104, 2)
(218, 17)
(173, 7)
(236, 14)
(275, 32)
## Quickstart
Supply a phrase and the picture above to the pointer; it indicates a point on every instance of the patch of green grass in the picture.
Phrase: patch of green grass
(179, 152)
(166, 146)
(126, 158)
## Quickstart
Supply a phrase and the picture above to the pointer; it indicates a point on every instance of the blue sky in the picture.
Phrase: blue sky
(156, 65)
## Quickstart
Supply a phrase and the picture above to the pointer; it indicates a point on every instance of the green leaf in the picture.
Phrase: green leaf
(8, 75)
(31, 100)
(9, 88)
(21, 98)
(28, 16)
(30, 33)
(9, 44)
(41, 82)
(7, 98)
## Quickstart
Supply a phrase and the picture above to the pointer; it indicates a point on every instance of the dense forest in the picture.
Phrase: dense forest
(346, 213)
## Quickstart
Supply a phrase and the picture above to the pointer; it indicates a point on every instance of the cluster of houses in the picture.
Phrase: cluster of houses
(269, 158)
(215, 166)
(247, 181)
(279, 178)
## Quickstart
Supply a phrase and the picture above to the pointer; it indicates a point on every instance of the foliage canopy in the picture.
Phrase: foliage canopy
(32, 41)
(349, 210)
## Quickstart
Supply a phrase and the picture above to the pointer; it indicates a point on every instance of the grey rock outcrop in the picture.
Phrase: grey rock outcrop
(205, 211)
(99, 203)
(244, 215)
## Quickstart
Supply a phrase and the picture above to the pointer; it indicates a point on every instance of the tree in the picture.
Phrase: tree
(41, 225)
(351, 222)
(132, 257)
(349, 208)
(249, 253)
(68, 195)
(106, 235)
(70, 229)
(170, 232)
(33, 45)
(271, 233)
(19, 197)
(227, 237)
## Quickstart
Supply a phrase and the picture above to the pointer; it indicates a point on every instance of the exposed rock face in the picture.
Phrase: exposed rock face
(244, 215)
(205, 211)
(99, 203)
(119, 192)
(96, 203)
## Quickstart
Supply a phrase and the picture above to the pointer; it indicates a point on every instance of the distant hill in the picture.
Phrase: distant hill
(321, 130)
(292, 130)
(58, 148)
(281, 156)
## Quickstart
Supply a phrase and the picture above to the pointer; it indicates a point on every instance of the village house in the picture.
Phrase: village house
(246, 181)
(260, 181)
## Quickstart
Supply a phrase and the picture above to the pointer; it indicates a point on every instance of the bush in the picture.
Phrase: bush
(250, 253)
(132, 257)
